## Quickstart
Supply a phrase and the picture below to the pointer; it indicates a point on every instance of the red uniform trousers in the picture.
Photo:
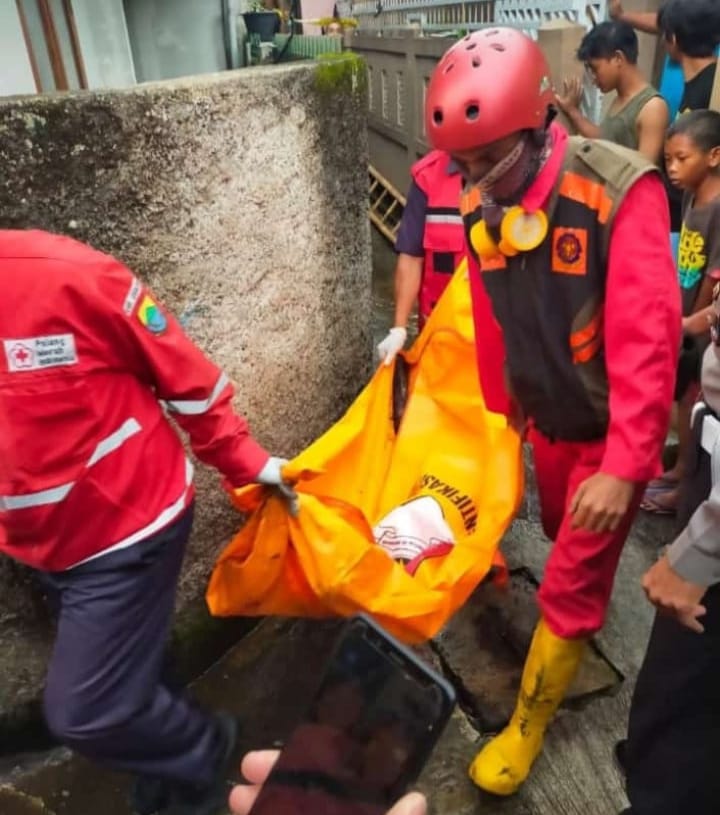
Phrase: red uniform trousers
(580, 569)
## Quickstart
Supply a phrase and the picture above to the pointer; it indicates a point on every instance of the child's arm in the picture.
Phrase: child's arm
(698, 322)
(639, 20)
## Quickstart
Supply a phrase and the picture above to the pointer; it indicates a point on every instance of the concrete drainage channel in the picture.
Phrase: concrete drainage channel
(482, 651)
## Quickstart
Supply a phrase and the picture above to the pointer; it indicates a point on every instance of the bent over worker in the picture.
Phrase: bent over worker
(583, 286)
(96, 493)
(430, 244)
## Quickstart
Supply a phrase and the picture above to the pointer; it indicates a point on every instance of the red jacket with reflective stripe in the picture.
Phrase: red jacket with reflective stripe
(87, 355)
(443, 236)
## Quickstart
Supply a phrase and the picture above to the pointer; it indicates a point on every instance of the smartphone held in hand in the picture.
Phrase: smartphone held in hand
(369, 730)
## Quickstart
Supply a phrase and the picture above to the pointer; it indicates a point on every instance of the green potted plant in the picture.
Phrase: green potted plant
(262, 21)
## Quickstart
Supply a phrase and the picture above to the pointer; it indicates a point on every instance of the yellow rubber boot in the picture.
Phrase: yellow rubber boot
(504, 763)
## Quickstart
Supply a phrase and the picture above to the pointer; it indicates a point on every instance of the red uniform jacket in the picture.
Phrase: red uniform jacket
(444, 233)
(90, 364)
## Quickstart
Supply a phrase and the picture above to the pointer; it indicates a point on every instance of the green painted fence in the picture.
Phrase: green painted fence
(307, 46)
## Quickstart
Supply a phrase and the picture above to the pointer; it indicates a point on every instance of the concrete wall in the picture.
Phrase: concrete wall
(399, 68)
(241, 198)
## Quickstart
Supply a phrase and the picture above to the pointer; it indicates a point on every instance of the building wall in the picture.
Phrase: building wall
(16, 74)
(172, 38)
(104, 43)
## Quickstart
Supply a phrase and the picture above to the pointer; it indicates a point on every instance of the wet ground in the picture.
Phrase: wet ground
(268, 676)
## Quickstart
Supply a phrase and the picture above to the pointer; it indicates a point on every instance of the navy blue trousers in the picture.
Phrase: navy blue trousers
(104, 695)
(674, 730)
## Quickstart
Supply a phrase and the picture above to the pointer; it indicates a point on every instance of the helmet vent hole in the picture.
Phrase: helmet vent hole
(496, 46)
(437, 117)
(470, 46)
(476, 62)
(492, 33)
(472, 112)
(449, 68)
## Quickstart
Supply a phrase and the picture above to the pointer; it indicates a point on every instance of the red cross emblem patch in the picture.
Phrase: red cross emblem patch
(22, 356)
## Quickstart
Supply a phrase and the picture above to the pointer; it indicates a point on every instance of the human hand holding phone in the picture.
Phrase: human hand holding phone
(375, 717)
(256, 767)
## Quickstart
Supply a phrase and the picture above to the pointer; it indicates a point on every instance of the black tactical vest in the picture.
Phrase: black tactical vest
(550, 302)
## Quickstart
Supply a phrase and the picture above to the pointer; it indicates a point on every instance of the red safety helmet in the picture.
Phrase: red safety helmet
(488, 85)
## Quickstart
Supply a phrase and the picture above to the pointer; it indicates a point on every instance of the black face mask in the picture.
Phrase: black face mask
(512, 185)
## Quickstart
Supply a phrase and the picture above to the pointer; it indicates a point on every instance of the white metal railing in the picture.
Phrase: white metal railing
(433, 15)
(533, 13)
(426, 15)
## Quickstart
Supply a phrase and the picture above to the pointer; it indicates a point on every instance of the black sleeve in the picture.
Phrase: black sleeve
(409, 239)
(698, 91)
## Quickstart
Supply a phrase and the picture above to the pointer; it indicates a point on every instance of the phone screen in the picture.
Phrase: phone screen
(369, 730)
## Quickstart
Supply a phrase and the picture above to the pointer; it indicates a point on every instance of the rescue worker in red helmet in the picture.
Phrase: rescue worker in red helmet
(430, 244)
(569, 239)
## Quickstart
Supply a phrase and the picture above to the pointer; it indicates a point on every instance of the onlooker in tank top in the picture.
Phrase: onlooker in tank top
(638, 117)
(691, 31)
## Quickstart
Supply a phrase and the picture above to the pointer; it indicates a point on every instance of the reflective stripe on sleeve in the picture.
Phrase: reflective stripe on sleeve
(444, 219)
(195, 407)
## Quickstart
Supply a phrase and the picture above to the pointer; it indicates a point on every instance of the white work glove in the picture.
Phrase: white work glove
(271, 475)
(388, 349)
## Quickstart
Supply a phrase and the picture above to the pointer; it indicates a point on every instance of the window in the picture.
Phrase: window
(52, 44)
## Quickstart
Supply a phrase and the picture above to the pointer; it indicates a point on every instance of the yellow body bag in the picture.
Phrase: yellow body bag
(325, 561)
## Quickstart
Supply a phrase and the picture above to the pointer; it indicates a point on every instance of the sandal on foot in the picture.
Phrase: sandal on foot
(651, 504)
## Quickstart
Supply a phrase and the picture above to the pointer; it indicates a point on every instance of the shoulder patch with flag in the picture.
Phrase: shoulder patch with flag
(151, 316)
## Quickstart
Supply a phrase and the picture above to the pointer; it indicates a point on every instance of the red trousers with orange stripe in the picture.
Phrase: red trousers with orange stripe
(580, 569)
